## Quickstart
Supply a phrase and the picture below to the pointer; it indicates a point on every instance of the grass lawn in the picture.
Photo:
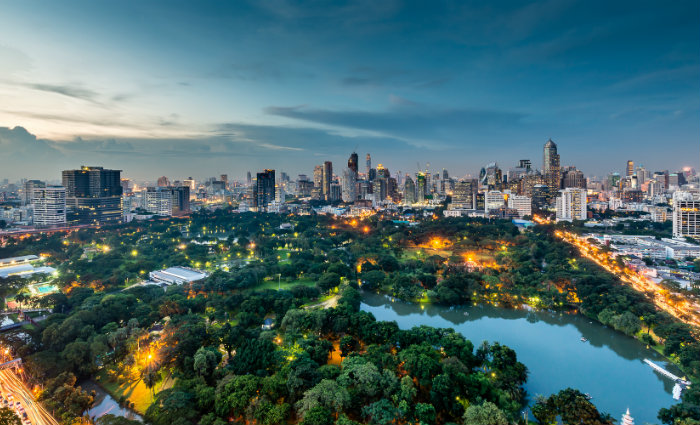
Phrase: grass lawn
(423, 253)
(135, 391)
(272, 284)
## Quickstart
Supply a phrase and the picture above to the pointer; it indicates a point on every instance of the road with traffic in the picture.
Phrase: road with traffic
(13, 390)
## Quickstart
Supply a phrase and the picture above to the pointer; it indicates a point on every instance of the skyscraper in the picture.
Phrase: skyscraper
(264, 189)
(630, 168)
(327, 177)
(551, 168)
(421, 189)
(352, 163)
(369, 164)
(93, 195)
(686, 214)
(349, 184)
(409, 191)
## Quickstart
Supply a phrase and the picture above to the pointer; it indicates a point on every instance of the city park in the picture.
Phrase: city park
(252, 342)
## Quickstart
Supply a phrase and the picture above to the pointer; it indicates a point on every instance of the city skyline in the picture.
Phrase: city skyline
(274, 85)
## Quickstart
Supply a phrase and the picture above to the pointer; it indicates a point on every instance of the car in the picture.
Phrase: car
(24, 415)
(18, 404)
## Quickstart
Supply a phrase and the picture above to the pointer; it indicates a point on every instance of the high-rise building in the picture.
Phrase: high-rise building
(327, 177)
(353, 163)
(349, 184)
(630, 168)
(264, 189)
(49, 206)
(421, 188)
(686, 214)
(318, 176)
(158, 200)
(571, 204)
(93, 195)
(181, 199)
(28, 190)
(551, 167)
(572, 177)
(463, 195)
(163, 182)
(522, 204)
(248, 178)
(409, 191)
(540, 196)
(493, 200)
(369, 164)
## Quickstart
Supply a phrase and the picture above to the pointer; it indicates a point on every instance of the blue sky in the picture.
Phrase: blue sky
(201, 88)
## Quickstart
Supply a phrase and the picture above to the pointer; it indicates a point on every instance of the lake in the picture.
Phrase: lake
(609, 366)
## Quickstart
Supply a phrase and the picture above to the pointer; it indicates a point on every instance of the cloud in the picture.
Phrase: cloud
(418, 123)
(74, 91)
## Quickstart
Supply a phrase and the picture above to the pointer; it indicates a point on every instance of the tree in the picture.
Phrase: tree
(205, 361)
(9, 417)
(326, 394)
(485, 414)
(328, 281)
(347, 345)
(425, 413)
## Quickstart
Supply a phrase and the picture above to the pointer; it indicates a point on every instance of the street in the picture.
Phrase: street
(14, 390)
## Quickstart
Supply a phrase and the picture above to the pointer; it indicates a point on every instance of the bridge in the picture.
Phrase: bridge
(666, 373)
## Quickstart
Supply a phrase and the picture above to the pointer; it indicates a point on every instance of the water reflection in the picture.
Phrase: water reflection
(608, 366)
(105, 404)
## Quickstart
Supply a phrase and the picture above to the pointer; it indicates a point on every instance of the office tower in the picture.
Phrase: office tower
(264, 190)
(163, 182)
(571, 204)
(462, 197)
(318, 176)
(540, 196)
(126, 186)
(189, 181)
(335, 193)
(181, 199)
(630, 168)
(522, 204)
(571, 177)
(409, 191)
(369, 164)
(284, 177)
(379, 190)
(421, 193)
(686, 214)
(349, 185)
(551, 168)
(28, 190)
(445, 174)
(280, 196)
(248, 178)
(491, 176)
(524, 168)
(158, 200)
(352, 163)
(93, 195)
(327, 177)
(372, 174)
(493, 200)
(49, 206)
(304, 186)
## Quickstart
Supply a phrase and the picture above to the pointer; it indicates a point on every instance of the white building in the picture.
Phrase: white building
(176, 276)
(493, 200)
(49, 206)
(158, 201)
(571, 205)
(686, 215)
(523, 204)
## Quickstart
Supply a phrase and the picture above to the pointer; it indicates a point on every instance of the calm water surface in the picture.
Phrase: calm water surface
(105, 404)
(609, 366)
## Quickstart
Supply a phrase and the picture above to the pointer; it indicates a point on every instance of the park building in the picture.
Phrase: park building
(571, 204)
(49, 206)
(686, 214)
(175, 276)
